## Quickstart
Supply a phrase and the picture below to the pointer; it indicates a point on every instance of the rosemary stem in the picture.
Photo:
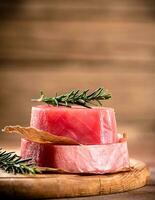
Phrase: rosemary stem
(77, 97)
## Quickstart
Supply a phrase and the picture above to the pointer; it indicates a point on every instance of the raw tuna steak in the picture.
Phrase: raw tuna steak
(98, 159)
(86, 126)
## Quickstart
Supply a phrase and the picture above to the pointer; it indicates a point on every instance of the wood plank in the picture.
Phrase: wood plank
(81, 51)
(101, 66)
(81, 10)
(83, 3)
(77, 41)
(135, 33)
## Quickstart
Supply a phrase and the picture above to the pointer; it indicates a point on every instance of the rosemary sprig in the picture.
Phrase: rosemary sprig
(77, 97)
(11, 162)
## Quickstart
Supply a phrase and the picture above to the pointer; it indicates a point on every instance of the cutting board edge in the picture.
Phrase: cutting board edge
(52, 186)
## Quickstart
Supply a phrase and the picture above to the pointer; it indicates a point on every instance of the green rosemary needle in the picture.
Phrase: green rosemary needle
(82, 98)
(12, 163)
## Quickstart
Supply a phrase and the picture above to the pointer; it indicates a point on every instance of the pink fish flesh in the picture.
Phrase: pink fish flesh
(96, 159)
(86, 126)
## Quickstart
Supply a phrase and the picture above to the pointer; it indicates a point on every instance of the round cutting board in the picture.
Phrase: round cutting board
(69, 185)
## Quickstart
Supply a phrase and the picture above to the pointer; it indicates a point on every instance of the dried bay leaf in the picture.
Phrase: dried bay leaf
(39, 136)
(49, 170)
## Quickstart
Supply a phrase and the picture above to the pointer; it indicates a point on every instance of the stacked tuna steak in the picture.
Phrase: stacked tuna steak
(101, 151)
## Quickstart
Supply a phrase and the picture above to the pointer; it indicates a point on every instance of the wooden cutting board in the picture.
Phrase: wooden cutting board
(69, 185)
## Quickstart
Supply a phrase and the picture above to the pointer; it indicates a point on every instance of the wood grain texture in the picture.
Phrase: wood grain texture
(49, 41)
(77, 30)
(81, 10)
(61, 185)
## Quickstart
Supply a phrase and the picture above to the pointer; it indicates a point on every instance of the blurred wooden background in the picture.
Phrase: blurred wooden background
(60, 45)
